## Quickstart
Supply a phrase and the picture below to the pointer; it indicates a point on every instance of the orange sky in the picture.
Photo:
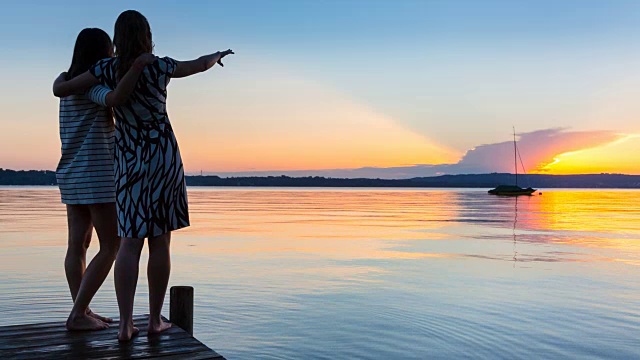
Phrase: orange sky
(619, 156)
(310, 125)
(316, 128)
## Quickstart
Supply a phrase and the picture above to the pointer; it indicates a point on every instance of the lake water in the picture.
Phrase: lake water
(369, 273)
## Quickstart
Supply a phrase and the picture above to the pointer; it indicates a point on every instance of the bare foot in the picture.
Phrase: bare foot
(85, 323)
(127, 332)
(158, 326)
(96, 316)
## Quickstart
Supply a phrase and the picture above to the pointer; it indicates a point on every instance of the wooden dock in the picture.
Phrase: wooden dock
(52, 341)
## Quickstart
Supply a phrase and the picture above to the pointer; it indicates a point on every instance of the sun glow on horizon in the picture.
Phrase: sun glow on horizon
(619, 156)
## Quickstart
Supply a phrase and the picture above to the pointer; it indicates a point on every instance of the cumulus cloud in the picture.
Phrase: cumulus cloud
(537, 149)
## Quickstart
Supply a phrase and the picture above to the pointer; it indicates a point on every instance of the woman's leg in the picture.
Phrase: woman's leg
(126, 279)
(79, 227)
(103, 217)
(158, 271)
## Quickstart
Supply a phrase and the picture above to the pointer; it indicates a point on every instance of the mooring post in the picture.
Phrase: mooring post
(181, 307)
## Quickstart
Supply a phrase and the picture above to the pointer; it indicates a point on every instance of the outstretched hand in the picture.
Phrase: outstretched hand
(223, 54)
(201, 64)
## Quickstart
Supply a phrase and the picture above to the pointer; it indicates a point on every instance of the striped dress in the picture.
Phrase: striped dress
(85, 171)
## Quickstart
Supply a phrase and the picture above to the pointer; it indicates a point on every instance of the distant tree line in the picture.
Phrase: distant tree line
(46, 177)
(455, 181)
(27, 177)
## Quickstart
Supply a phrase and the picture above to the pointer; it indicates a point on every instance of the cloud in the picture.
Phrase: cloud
(537, 149)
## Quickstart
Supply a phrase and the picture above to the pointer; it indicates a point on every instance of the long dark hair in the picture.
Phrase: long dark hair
(91, 46)
(132, 38)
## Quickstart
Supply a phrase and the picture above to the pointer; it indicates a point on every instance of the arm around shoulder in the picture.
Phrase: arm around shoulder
(78, 85)
(126, 85)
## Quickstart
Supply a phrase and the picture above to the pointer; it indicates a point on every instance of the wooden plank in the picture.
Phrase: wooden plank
(54, 323)
(98, 343)
(203, 355)
(148, 352)
(11, 328)
(68, 338)
(61, 331)
(116, 351)
(50, 327)
(52, 341)
(85, 339)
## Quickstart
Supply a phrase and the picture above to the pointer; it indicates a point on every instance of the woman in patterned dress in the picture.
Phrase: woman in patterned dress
(151, 197)
(85, 174)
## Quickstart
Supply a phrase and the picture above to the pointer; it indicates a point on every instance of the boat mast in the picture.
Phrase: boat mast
(515, 154)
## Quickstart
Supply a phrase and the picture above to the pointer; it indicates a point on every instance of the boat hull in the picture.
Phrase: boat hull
(511, 191)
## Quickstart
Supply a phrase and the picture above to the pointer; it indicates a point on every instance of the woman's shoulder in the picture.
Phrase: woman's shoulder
(107, 61)
(167, 64)
(166, 59)
(104, 67)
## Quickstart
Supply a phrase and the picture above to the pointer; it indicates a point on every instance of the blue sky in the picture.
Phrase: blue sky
(455, 73)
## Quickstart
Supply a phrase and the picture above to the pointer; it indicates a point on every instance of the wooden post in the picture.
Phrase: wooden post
(181, 307)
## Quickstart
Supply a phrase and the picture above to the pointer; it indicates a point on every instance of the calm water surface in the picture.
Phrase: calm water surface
(370, 273)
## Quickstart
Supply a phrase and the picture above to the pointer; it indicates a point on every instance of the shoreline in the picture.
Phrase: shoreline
(407, 188)
(489, 181)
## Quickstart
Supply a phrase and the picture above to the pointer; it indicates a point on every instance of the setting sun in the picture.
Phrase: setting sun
(619, 157)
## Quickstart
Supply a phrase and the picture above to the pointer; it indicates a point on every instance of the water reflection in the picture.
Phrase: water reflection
(572, 221)
(515, 240)
(370, 273)
(339, 225)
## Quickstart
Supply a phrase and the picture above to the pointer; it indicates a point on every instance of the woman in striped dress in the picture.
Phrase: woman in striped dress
(85, 174)
(151, 197)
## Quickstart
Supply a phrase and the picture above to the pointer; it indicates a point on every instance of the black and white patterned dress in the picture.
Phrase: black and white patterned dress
(151, 195)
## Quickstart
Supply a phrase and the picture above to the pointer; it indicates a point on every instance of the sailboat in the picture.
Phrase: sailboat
(513, 190)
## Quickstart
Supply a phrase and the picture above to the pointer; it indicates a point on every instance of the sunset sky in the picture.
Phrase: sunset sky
(358, 88)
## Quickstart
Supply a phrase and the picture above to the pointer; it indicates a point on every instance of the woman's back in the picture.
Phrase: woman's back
(148, 104)
(151, 192)
(85, 171)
